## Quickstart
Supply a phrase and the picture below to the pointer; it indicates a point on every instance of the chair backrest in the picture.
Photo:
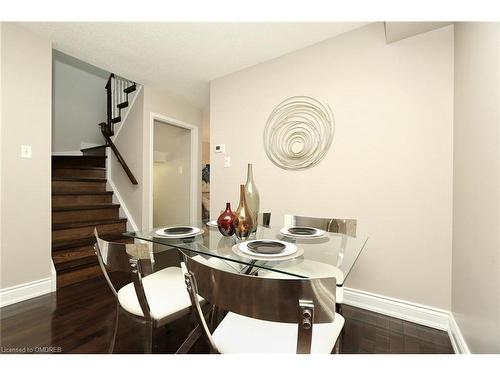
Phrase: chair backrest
(301, 301)
(130, 258)
(264, 219)
(343, 226)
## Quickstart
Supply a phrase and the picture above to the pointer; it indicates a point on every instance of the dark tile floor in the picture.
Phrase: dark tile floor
(80, 319)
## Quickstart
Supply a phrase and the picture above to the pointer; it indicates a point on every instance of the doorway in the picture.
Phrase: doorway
(172, 174)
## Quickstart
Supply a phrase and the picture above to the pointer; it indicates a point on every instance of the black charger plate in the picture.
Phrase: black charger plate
(302, 231)
(266, 247)
(178, 230)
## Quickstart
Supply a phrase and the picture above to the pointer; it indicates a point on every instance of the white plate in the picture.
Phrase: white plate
(212, 223)
(285, 232)
(194, 232)
(290, 249)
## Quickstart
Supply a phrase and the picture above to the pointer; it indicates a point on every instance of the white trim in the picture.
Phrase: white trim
(22, 292)
(53, 276)
(194, 165)
(67, 153)
(123, 206)
(413, 312)
(131, 104)
(409, 311)
(456, 337)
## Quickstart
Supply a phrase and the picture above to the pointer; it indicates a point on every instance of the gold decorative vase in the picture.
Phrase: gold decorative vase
(252, 197)
(243, 223)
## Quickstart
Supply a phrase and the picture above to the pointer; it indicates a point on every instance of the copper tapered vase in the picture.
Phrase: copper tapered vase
(243, 223)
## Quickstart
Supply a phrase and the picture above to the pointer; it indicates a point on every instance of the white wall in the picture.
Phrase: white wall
(476, 203)
(79, 103)
(390, 164)
(26, 66)
(172, 178)
(128, 140)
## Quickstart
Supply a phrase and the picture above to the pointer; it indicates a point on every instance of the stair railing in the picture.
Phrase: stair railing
(117, 92)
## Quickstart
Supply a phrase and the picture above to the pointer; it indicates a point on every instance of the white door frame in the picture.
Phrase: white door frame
(193, 210)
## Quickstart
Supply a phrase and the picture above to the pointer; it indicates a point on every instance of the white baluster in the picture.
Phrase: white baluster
(122, 96)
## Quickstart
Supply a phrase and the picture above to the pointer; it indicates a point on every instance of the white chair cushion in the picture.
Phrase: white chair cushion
(339, 294)
(219, 263)
(166, 294)
(241, 334)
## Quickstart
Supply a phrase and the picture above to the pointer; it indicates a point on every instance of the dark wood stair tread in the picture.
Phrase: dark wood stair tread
(86, 207)
(80, 167)
(93, 148)
(83, 193)
(130, 89)
(74, 264)
(122, 105)
(80, 179)
(89, 157)
(116, 119)
(79, 242)
(87, 223)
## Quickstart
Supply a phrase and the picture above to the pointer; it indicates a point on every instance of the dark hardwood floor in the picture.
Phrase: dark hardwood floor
(80, 319)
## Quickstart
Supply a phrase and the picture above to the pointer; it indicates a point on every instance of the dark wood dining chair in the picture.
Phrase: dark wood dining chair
(265, 315)
(154, 300)
(343, 226)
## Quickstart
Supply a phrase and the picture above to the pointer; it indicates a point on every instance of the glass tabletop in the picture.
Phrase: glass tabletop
(329, 255)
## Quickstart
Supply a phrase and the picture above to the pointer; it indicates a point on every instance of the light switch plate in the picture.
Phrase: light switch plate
(227, 161)
(26, 151)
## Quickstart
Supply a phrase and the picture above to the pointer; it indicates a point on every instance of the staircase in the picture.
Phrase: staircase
(80, 201)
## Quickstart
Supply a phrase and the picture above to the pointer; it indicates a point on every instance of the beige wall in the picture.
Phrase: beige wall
(172, 178)
(1, 127)
(26, 66)
(205, 137)
(390, 164)
(133, 141)
(476, 203)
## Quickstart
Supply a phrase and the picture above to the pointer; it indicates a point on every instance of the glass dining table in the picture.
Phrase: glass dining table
(329, 255)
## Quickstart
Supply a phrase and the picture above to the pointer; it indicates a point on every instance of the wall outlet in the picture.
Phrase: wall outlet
(26, 151)
(227, 161)
(220, 149)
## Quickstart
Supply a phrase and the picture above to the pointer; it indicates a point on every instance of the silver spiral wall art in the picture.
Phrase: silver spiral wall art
(299, 133)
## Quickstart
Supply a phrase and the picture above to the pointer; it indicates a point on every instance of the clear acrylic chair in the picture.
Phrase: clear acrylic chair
(154, 300)
(265, 315)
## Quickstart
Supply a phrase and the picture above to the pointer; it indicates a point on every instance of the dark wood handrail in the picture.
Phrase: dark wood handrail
(109, 103)
(122, 162)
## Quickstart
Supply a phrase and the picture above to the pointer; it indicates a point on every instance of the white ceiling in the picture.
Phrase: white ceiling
(182, 57)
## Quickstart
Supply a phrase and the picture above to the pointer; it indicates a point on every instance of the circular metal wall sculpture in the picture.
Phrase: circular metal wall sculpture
(299, 133)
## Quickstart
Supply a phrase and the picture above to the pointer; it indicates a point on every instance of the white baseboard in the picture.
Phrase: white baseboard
(120, 200)
(409, 311)
(53, 276)
(21, 292)
(413, 312)
(456, 337)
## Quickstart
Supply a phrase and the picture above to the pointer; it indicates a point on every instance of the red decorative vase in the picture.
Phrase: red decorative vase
(225, 221)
